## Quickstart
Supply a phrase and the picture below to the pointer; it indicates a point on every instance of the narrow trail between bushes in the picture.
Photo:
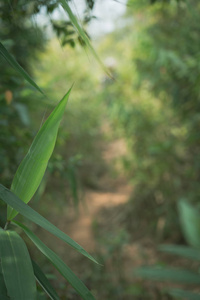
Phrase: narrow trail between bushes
(101, 217)
(108, 196)
(100, 227)
(96, 202)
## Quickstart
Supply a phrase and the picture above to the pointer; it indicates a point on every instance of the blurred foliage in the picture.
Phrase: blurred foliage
(79, 161)
(21, 106)
(154, 106)
(24, 41)
(190, 221)
(167, 64)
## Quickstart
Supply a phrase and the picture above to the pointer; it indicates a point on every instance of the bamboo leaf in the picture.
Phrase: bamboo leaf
(3, 290)
(16, 267)
(190, 221)
(33, 166)
(184, 294)
(81, 32)
(168, 274)
(44, 282)
(10, 59)
(184, 251)
(59, 264)
(11, 199)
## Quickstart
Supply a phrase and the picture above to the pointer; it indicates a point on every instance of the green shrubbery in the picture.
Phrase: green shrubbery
(153, 106)
(18, 273)
(155, 109)
(190, 220)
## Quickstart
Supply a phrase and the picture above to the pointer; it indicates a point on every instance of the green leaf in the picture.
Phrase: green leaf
(33, 166)
(184, 251)
(11, 199)
(184, 294)
(81, 32)
(3, 290)
(168, 274)
(59, 264)
(16, 267)
(190, 222)
(44, 282)
(10, 59)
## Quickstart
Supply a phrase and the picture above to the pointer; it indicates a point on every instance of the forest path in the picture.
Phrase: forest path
(100, 227)
(81, 229)
(111, 193)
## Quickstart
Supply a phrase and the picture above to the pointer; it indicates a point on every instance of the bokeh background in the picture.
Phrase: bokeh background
(128, 146)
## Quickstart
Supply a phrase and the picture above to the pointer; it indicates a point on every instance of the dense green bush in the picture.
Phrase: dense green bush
(23, 40)
(189, 219)
(166, 59)
(154, 107)
(18, 274)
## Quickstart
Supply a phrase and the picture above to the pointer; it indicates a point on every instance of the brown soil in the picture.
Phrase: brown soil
(95, 201)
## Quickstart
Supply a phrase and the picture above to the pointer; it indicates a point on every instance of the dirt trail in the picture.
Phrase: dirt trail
(100, 228)
(81, 228)
(110, 194)
(105, 206)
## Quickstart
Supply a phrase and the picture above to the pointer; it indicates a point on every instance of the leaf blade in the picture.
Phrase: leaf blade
(11, 199)
(184, 251)
(190, 222)
(59, 264)
(16, 267)
(168, 274)
(10, 59)
(81, 32)
(3, 289)
(33, 166)
(44, 282)
(184, 294)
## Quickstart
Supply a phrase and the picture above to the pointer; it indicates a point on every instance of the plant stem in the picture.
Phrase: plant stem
(6, 226)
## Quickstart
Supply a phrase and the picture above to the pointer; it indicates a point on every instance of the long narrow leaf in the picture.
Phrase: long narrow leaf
(32, 168)
(81, 32)
(184, 294)
(44, 282)
(11, 199)
(183, 251)
(16, 267)
(168, 274)
(190, 221)
(59, 264)
(3, 290)
(10, 59)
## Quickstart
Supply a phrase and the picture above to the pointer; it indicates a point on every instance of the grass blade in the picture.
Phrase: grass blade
(44, 282)
(190, 221)
(10, 59)
(66, 272)
(183, 251)
(33, 166)
(16, 267)
(11, 199)
(81, 32)
(168, 274)
(184, 294)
